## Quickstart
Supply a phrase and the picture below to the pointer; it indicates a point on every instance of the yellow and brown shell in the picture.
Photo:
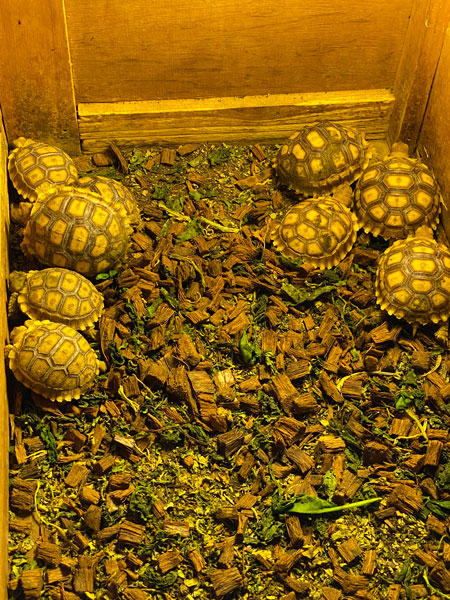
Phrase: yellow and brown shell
(52, 359)
(317, 159)
(34, 165)
(319, 231)
(58, 295)
(113, 191)
(76, 229)
(413, 280)
(396, 196)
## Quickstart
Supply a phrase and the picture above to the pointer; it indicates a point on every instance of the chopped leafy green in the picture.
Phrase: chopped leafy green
(442, 478)
(142, 499)
(153, 579)
(332, 276)
(137, 159)
(49, 440)
(219, 156)
(160, 193)
(249, 352)
(175, 204)
(300, 295)
(109, 275)
(193, 229)
(267, 529)
(329, 483)
(310, 505)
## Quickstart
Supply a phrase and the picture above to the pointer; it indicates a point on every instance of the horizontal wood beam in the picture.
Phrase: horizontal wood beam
(235, 119)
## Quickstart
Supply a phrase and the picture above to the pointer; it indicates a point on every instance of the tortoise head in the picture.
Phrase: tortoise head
(344, 194)
(17, 280)
(400, 150)
(20, 142)
(20, 212)
(424, 231)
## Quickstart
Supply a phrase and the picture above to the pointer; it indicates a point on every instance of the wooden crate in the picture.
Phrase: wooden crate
(80, 74)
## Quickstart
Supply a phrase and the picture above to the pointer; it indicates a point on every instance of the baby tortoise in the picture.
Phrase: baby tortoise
(413, 279)
(77, 229)
(397, 195)
(320, 157)
(32, 165)
(113, 191)
(52, 359)
(58, 295)
(321, 231)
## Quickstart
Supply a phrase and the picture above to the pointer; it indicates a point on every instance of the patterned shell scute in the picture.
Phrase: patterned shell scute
(321, 232)
(52, 359)
(33, 165)
(62, 296)
(413, 280)
(113, 191)
(76, 229)
(320, 157)
(396, 196)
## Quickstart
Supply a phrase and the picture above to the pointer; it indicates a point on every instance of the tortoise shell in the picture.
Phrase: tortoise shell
(52, 359)
(317, 159)
(114, 191)
(413, 280)
(396, 196)
(76, 229)
(32, 165)
(57, 295)
(319, 231)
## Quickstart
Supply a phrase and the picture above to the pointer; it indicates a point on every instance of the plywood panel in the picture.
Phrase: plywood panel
(420, 56)
(434, 141)
(4, 427)
(261, 118)
(36, 91)
(145, 50)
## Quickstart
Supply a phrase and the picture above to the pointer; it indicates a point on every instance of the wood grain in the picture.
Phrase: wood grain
(140, 50)
(37, 96)
(417, 67)
(262, 118)
(4, 414)
(434, 141)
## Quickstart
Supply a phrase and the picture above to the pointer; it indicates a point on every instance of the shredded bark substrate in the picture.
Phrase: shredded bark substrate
(262, 430)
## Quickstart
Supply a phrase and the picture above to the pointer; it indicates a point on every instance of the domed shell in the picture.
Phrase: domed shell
(317, 159)
(34, 165)
(319, 231)
(52, 359)
(58, 295)
(113, 191)
(76, 229)
(396, 196)
(413, 280)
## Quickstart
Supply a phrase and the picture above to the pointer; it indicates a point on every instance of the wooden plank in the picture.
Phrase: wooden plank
(417, 67)
(434, 141)
(245, 119)
(4, 414)
(140, 50)
(36, 86)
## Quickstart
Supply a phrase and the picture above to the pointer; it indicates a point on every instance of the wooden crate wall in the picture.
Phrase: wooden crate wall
(172, 72)
(4, 412)
(434, 139)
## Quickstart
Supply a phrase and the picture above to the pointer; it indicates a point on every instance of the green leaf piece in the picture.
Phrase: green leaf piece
(310, 505)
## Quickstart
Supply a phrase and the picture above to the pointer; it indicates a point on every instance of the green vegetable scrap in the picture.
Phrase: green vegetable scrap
(310, 505)
(300, 295)
(219, 156)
